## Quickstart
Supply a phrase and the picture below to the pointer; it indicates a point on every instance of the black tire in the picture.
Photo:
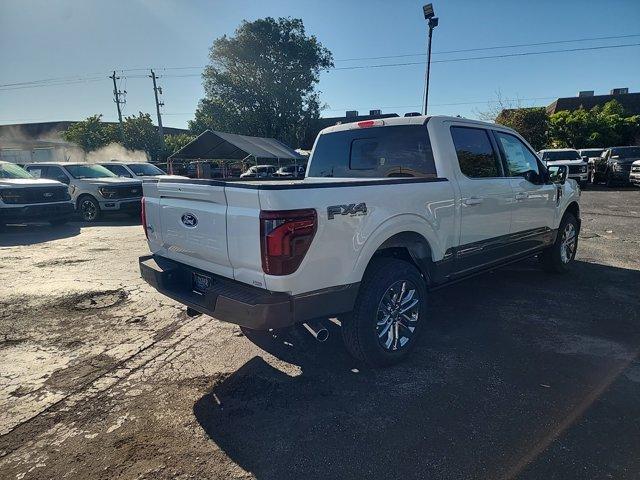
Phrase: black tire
(554, 259)
(583, 184)
(360, 329)
(610, 182)
(89, 208)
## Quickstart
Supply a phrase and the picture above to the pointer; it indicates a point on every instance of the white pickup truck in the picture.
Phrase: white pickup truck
(389, 210)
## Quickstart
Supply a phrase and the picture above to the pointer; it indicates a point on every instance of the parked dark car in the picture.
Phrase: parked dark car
(614, 165)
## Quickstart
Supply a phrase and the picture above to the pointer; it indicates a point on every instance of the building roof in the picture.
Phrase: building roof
(629, 101)
(230, 146)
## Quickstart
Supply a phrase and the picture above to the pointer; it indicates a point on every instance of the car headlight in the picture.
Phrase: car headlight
(107, 192)
(11, 196)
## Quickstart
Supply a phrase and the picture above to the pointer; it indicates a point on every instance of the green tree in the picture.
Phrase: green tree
(173, 143)
(261, 81)
(599, 127)
(531, 123)
(90, 134)
(139, 133)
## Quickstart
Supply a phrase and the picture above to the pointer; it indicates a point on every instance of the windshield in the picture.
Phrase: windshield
(144, 169)
(595, 152)
(89, 171)
(10, 170)
(626, 152)
(561, 155)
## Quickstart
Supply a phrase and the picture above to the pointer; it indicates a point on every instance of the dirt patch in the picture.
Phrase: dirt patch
(61, 262)
(97, 300)
(80, 374)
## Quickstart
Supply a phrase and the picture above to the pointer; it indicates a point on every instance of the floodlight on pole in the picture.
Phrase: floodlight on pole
(432, 20)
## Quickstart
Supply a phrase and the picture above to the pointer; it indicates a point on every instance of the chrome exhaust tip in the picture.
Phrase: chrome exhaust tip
(317, 331)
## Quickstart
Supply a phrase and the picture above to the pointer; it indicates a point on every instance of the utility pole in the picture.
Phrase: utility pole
(159, 104)
(117, 94)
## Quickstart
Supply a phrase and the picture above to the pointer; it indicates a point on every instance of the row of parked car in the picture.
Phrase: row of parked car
(55, 191)
(613, 166)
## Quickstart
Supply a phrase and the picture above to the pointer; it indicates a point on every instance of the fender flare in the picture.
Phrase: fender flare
(406, 230)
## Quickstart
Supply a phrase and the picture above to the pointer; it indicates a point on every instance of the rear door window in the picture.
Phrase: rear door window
(377, 152)
(476, 155)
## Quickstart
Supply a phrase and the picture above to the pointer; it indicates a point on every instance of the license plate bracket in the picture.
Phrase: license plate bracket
(201, 283)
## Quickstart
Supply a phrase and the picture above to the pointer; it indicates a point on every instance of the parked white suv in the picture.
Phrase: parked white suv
(25, 199)
(138, 170)
(578, 167)
(634, 174)
(93, 188)
(390, 209)
(260, 171)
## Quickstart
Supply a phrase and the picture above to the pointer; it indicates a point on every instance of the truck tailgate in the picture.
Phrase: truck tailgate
(193, 225)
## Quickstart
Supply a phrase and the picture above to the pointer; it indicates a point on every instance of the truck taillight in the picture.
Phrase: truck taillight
(285, 237)
(143, 217)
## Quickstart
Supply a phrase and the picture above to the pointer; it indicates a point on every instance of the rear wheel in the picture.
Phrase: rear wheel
(558, 257)
(389, 313)
(89, 208)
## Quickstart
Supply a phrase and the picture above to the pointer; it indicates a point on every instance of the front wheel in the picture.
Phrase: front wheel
(389, 313)
(610, 183)
(89, 209)
(558, 257)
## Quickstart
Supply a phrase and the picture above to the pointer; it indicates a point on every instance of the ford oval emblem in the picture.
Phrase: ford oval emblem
(189, 220)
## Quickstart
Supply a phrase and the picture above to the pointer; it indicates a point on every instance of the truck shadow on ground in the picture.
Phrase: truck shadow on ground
(508, 357)
(19, 235)
(31, 234)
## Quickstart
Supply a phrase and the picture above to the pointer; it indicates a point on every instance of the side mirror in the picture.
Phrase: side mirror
(558, 173)
(532, 176)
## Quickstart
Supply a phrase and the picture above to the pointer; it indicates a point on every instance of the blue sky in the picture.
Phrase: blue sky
(88, 38)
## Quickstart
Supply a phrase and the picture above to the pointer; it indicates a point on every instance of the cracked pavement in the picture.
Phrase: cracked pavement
(520, 375)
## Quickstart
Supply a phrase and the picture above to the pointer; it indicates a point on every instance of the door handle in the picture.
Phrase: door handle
(472, 201)
(521, 196)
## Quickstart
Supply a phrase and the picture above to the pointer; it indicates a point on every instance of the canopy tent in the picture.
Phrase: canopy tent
(230, 146)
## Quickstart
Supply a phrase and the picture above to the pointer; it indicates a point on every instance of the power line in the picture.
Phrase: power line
(79, 79)
(537, 44)
(486, 57)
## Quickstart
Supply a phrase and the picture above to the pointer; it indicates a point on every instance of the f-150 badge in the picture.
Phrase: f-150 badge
(352, 209)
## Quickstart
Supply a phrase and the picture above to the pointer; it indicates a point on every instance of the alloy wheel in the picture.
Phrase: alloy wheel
(397, 315)
(89, 210)
(568, 245)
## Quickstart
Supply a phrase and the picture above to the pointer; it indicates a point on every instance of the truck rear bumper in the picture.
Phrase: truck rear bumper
(242, 304)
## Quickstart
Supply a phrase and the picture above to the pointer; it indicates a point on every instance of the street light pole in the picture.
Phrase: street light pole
(433, 23)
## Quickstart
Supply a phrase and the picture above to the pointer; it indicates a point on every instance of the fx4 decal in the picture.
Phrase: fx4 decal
(351, 209)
